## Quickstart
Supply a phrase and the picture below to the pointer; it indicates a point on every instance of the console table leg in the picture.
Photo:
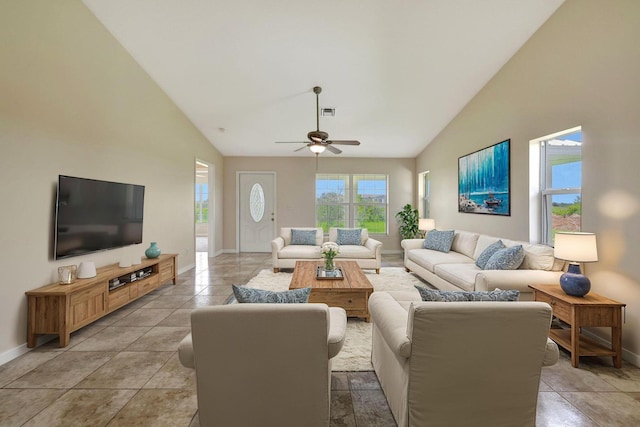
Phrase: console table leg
(575, 346)
(616, 344)
(64, 339)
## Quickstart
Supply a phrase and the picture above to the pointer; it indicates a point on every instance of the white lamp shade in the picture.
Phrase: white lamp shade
(578, 247)
(426, 224)
(86, 269)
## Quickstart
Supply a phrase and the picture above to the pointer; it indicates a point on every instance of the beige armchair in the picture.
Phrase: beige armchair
(460, 363)
(264, 364)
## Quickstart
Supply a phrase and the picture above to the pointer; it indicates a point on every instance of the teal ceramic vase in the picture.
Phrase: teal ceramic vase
(152, 251)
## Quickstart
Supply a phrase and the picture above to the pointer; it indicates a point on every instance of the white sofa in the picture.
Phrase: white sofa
(264, 364)
(368, 255)
(456, 270)
(460, 363)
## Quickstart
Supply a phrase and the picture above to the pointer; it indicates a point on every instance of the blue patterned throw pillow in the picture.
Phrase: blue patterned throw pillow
(349, 236)
(506, 259)
(439, 240)
(252, 295)
(449, 296)
(303, 237)
(486, 254)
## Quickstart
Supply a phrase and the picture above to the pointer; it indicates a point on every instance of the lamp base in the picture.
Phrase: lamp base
(574, 283)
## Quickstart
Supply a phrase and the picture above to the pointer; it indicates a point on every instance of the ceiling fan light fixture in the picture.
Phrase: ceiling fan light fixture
(317, 148)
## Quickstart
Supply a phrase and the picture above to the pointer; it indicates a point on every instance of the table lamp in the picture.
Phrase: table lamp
(575, 248)
(426, 224)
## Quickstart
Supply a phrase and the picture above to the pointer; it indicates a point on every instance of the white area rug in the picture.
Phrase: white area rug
(356, 353)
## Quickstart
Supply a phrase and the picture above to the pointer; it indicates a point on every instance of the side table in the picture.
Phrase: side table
(590, 310)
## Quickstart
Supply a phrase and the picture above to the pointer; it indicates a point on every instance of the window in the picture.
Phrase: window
(424, 195)
(202, 203)
(560, 183)
(358, 200)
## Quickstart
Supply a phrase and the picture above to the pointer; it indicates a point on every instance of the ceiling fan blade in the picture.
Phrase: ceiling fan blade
(291, 142)
(301, 148)
(344, 142)
(334, 150)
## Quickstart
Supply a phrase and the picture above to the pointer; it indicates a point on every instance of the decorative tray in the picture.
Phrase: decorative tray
(322, 274)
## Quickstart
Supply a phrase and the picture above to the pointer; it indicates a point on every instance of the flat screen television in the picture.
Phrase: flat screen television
(93, 215)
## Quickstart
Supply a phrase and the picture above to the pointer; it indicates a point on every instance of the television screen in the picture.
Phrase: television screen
(94, 215)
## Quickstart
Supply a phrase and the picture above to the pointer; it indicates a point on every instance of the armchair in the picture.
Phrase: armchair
(460, 363)
(264, 364)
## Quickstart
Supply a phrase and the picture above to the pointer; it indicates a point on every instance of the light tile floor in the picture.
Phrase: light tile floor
(124, 369)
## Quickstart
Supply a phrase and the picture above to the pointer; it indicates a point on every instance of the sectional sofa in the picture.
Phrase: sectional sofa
(456, 269)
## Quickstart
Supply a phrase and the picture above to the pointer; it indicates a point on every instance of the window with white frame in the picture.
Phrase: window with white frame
(560, 183)
(424, 195)
(352, 200)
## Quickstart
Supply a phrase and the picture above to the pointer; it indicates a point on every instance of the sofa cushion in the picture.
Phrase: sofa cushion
(252, 295)
(303, 237)
(485, 241)
(349, 236)
(536, 256)
(447, 296)
(285, 233)
(488, 252)
(462, 276)
(428, 259)
(465, 242)
(333, 234)
(299, 251)
(506, 259)
(355, 252)
(439, 240)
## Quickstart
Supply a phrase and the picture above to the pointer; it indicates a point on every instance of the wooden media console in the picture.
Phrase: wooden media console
(61, 309)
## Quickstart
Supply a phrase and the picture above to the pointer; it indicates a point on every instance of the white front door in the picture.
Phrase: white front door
(256, 211)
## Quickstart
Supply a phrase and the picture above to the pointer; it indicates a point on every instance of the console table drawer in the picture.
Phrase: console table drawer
(346, 300)
(166, 271)
(561, 309)
(147, 285)
(118, 297)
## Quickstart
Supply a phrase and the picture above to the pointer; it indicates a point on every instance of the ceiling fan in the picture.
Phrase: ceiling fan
(320, 140)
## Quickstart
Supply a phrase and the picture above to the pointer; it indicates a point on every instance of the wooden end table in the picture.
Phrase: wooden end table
(590, 310)
(351, 293)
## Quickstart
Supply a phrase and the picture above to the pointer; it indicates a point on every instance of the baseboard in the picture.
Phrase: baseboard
(230, 251)
(392, 251)
(186, 268)
(18, 351)
(11, 354)
(627, 355)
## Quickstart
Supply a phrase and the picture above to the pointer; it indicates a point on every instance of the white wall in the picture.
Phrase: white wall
(580, 68)
(74, 102)
(295, 181)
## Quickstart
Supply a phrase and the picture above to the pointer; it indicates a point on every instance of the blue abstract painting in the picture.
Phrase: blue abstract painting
(483, 181)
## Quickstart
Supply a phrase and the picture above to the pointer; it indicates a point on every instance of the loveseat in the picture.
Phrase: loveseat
(460, 363)
(303, 244)
(456, 269)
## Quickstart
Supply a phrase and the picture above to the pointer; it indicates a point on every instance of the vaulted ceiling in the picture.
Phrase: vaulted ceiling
(396, 72)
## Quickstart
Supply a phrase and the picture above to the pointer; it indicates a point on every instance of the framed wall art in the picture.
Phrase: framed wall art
(484, 184)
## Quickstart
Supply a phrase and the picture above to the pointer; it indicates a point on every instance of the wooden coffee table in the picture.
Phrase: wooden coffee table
(351, 293)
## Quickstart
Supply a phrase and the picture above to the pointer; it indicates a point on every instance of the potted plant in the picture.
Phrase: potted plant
(408, 219)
